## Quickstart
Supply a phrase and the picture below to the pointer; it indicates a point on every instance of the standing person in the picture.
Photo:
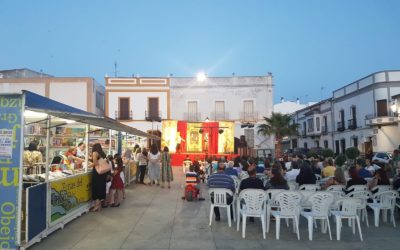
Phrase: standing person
(98, 181)
(154, 165)
(117, 185)
(141, 157)
(136, 154)
(166, 169)
(80, 150)
(32, 156)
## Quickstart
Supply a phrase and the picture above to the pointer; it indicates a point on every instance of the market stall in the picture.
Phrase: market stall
(40, 196)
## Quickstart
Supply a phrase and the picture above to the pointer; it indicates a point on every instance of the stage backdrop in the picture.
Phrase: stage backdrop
(185, 137)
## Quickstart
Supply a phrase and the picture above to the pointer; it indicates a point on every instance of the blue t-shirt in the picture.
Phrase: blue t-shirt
(231, 171)
(363, 173)
(221, 180)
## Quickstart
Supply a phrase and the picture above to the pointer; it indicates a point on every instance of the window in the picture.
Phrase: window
(249, 134)
(317, 120)
(355, 142)
(341, 116)
(325, 126)
(382, 108)
(317, 144)
(326, 144)
(310, 125)
(248, 107)
(343, 145)
(152, 105)
(353, 112)
(99, 100)
(337, 147)
(192, 111)
(305, 145)
(220, 110)
(294, 143)
(124, 109)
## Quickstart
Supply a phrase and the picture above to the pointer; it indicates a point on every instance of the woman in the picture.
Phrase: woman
(141, 157)
(74, 162)
(306, 176)
(315, 168)
(338, 179)
(32, 156)
(166, 169)
(154, 165)
(380, 178)
(355, 178)
(276, 180)
(98, 181)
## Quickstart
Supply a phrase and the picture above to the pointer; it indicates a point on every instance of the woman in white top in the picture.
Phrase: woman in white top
(154, 157)
(141, 157)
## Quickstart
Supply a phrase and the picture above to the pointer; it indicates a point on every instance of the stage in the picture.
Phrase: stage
(178, 158)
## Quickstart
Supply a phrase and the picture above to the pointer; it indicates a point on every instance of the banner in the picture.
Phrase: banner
(226, 140)
(169, 135)
(194, 138)
(10, 162)
(69, 194)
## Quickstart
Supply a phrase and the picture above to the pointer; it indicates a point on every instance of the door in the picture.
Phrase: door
(381, 108)
(337, 148)
(343, 145)
(153, 107)
(124, 113)
(248, 108)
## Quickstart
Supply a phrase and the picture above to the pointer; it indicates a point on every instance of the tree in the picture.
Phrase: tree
(327, 153)
(279, 125)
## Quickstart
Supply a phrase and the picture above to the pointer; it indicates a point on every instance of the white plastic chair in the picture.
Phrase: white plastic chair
(306, 194)
(348, 210)
(251, 203)
(364, 196)
(318, 177)
(320, 204)
(381, 188)
(387, 201)
(271, 203)
(220, 200)
(357, 188)
(237, 184)
(185, 166)
(336, 188)
(292, 185)
(289, 208)
(309, 187)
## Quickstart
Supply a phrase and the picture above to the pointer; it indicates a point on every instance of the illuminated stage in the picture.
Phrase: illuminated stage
(197, 139)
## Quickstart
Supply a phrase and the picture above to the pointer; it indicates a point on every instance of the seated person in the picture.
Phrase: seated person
(230, 170)
(329, 169)
(276, 180)
(252, 181)
(355, 178)
(192, 179)
(306, 176)
(292, 174)
(396, 182)
(361, 168)
(380, 178)
(371, 167)
(338, 179)
(221, 180)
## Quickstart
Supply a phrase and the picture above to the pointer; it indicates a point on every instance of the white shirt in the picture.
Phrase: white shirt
(79, 153)
(373, 168)
(292, 174)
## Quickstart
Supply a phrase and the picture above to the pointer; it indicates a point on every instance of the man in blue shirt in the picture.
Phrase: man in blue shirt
(362, 171)
(230, 170)
(221, 180)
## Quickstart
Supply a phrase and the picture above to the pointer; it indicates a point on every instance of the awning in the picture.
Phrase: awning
(42, 104)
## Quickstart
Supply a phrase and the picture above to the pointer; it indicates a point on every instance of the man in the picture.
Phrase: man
(221, 180)
(230, 170)
(80, 150)
(293, 173)
(362, 170)
(252, 181)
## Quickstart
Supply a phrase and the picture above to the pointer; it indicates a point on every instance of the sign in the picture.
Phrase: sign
(10, 145)
(69, 194)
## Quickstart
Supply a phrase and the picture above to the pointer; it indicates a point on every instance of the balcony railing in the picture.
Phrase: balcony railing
(153, 116)
(372, 119)
(340, 126)
(123, 116)
(219, 116)
(192, 117)
(248, 116)
(310, 129)
(352, 124)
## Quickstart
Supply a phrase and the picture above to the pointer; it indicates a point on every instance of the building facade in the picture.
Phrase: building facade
(80, 92)
(362, 114)
(144, 102)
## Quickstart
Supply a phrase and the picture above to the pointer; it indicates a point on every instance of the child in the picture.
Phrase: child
(117, 184)
(192, 184)
(108, 186)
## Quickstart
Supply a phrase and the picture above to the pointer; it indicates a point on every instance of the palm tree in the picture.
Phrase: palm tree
(279, 125)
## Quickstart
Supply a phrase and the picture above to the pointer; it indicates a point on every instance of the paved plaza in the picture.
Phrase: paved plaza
(155, 218)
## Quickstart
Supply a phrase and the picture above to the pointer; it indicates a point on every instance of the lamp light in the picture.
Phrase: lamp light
(201, 131)
(393, 107)
(220, 131)
(201, 76)
(207, 120)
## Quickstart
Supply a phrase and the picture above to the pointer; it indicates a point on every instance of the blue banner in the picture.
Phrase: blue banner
(10, 156)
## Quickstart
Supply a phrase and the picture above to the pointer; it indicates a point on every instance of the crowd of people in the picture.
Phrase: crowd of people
(298, 170)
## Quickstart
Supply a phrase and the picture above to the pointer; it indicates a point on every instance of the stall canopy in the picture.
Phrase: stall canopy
(42, 104)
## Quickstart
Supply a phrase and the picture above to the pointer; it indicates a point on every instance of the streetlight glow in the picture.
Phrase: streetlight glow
(201, 76)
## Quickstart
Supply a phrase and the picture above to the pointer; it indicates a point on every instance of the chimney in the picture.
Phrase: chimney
(298, 100)
(282, 100)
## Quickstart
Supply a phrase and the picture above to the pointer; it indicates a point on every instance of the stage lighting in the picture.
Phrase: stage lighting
(201, 131)
(220, 130)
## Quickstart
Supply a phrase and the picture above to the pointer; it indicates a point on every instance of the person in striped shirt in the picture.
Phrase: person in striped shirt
(221, 180)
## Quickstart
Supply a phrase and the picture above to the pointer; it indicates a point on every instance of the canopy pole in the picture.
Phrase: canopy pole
(87, 147)
(47, 162)
(109, 138)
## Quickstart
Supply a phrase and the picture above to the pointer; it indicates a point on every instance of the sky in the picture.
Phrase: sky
(311, 47)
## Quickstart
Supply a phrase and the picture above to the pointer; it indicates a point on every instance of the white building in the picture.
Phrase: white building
(142, 102)
(288, 107)
(363, 114)
(80, 92)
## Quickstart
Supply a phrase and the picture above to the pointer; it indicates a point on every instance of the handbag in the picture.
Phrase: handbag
(102, 166)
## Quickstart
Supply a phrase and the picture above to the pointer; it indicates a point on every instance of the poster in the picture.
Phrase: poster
(10, 162)
(169, 135)
(69, 194)
(226, 141)
(194, 138)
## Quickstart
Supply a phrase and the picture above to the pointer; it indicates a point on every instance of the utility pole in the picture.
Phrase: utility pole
(115, 69)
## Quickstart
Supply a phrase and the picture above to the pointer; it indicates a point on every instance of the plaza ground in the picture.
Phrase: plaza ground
(155, 218)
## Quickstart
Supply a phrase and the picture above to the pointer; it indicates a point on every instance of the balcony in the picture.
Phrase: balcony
(219, 116)
(123, 116)
(153, 116)
(373, 120)
(340, 126)
(248, 116)
(192, 117)
(352, 124)
(324, 130)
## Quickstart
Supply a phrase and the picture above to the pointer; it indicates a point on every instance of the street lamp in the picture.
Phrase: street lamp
(201, 76)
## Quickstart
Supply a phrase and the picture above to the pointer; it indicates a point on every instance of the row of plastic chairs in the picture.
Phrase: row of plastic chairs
(290, 204)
